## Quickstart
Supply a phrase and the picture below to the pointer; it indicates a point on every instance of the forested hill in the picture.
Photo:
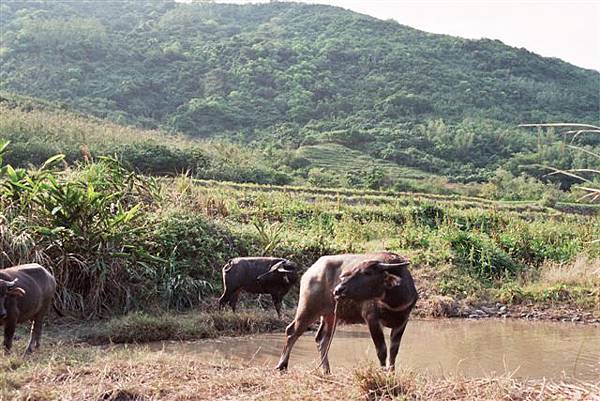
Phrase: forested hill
(207, 69)
(296, 76)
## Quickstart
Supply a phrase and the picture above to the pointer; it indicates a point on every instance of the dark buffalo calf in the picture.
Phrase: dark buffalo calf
(258, 275)
(26, 293)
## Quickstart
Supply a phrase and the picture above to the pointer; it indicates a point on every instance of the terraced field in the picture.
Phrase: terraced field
(339, 158)
(377, 197)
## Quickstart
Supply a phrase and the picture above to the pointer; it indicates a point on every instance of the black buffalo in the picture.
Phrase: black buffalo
(258, 275)
(26, 293)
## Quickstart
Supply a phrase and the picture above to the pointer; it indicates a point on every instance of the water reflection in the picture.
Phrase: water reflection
(470, 348)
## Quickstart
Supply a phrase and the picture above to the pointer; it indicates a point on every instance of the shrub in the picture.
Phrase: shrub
(503, 185)
(322, 178)
(480, 257)
(198, 247)
(428, 214)
(535, 243)
(153, 158)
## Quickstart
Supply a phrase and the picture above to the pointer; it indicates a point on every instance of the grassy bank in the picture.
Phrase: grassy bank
(143, 327)
(469, 250)
(69, 371)
(119, 242)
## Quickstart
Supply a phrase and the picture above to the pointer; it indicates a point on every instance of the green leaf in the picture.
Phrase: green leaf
(52, 161)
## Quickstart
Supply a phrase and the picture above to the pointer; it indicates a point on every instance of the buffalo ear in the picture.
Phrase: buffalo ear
(391, 280)
(16, 292)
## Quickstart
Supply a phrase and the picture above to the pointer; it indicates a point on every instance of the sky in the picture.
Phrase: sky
(569, 30)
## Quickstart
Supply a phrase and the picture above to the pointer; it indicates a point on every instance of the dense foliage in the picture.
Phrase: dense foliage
(98, 228)
(119, 241)
(38, 130)
(288, 75)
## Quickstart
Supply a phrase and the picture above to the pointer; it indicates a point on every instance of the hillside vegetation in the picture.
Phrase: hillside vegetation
(118, 241)
(40, 129)
(283, 75)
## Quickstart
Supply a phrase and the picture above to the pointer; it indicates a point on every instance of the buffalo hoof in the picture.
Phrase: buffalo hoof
(281, 367)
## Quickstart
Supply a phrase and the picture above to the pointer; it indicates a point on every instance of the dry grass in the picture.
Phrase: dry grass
(127, 374)
(88, 373)
(441, 306)
(379, 385)
(66, 126)
(576, 283)
(582, 271)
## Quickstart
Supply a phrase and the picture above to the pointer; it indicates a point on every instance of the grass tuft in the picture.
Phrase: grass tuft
(378, 384)
(121, 395)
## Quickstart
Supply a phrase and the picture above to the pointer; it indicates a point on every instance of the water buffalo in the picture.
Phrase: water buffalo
(26, 292)
(376, 289)
(258, 275)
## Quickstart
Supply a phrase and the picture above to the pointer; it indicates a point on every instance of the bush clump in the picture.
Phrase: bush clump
(480, 257)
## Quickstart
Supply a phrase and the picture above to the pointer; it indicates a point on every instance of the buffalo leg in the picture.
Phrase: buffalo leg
(10, 326)
(277, 303)
(224, 299)
(293, 332)
(233, 299)
(323, 337)
(36, 332)
(378, 340)
(395, 338)
(229, 297)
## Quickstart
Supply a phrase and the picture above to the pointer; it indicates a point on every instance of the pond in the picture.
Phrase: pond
(471, 348)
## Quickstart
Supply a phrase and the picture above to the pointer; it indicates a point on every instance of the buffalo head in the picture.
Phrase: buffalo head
(8, 289)
(284, 272)
(368, 280)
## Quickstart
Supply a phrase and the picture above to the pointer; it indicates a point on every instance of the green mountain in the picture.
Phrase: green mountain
(291, 75)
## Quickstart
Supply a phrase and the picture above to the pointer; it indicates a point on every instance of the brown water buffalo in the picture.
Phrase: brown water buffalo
(258, 275)
(376, 289)
(26, 293)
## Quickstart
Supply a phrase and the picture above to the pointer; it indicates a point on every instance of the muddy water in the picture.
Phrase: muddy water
(441, 347)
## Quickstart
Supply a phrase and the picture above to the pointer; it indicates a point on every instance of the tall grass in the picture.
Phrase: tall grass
(39, 130)
(119, 241)
(574, 130)
(98, 229)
